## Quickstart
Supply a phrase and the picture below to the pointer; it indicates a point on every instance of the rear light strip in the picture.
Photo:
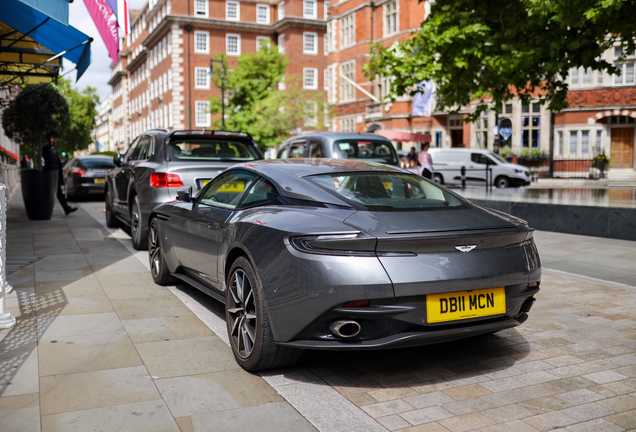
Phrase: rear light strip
(165, 180)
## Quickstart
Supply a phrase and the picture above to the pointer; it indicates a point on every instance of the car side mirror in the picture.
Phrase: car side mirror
(117, 159)
(185, 194)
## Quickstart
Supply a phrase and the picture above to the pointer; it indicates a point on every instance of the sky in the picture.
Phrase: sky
(98, 73)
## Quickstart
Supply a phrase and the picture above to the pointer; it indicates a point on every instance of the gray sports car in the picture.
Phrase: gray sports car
(343, 254)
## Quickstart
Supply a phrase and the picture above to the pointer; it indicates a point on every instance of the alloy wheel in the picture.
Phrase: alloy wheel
(134, 221)
(154, 251)
(242, 314)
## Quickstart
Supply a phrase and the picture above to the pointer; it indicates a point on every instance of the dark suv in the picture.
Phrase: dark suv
(159, 162)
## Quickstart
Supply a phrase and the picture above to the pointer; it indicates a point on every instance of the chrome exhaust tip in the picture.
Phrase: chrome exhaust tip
(345, 328)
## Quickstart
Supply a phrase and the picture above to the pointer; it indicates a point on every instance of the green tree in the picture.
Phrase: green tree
(491, 51)
(36, 114)
(255, 104)
(83, 110)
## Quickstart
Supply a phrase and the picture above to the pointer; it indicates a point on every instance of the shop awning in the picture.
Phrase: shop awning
(404, 136)
(28, 24)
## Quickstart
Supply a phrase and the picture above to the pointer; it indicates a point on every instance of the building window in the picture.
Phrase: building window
(233, 44)
(201, 77)
(574, 76)
(508, 108)
(201, 8)
(481, 131)
(281, 44)
(232, 10)
(262, 41)
(530, 126)
(347, 125)
(262, 14)
(310, 78)
(585, 142)
(201, 42)
(309, 9)
(326, 9)
(391, 22)
(438, 139)
(311, 114)
(202, 116)
(587, 76)
(347, 92)
(559, 149)
(347, 31)
(384, 87)
(326, 78)
(310, 43)
(281, 10)
(626, 73)
(599, 142)
(600, 77)
(574, 142)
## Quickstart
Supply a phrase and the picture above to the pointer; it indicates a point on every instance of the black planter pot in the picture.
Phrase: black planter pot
(39, 193)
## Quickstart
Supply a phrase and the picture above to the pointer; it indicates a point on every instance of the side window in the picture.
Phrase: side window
(132, 149)
(284, 153)
(478, 158)
(262, 193)
(142, 149)
(297, 151)
(226, 190)
(315, 150)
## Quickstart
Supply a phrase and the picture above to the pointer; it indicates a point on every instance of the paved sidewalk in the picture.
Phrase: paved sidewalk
(99, 346)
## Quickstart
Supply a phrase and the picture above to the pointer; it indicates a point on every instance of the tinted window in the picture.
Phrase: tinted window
(194, 149)
(369, 150)
(226, 190)
(141, 149)
(297, 151)
(132, 149)
(98, 163)
(315, 150)
(284, 153)
(262, 193)
(389, 191)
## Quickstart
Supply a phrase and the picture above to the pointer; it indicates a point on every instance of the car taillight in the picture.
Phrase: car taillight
(77, 171)
(357, 303)
(357, 244)
(165, 180)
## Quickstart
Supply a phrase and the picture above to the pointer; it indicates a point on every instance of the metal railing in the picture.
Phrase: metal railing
(6, 319)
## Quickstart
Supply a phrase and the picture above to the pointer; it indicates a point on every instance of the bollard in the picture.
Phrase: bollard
(6, 319)
(463, 171)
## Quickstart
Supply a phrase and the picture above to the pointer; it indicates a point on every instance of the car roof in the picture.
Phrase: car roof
(333, 136)
(290, 173)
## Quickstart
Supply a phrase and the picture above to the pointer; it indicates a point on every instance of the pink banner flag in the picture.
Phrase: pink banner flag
(106, 23)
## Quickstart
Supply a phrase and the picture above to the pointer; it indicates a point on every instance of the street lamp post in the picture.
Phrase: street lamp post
(221, 62)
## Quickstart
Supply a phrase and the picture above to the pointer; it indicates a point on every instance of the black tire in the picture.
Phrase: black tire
(158, 267)
(138, 229)
(437, 178)
(502, 182)
(248, 324)
(111, 219)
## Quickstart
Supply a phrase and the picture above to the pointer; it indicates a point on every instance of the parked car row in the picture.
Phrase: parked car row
(331, 246)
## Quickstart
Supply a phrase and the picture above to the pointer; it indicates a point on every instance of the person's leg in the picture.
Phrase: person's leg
(427, 174)
(62, 199)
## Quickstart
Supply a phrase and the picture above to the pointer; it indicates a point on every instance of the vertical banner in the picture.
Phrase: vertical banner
(423, 100)
(123, 16)
(106, 23)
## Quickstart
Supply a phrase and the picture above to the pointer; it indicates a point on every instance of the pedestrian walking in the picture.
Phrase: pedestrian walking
(411, 158)
(426, 161)
(52, 163)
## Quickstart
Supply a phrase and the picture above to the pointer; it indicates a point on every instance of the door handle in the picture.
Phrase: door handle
(213, 225)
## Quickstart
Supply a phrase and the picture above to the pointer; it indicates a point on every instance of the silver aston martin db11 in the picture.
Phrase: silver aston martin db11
(343, 255)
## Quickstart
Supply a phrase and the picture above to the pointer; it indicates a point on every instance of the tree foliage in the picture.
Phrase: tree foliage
(83, 110)
(255, 104)
(491, 51)
(37, 113)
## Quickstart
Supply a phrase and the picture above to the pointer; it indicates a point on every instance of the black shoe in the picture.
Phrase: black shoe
(69, 210)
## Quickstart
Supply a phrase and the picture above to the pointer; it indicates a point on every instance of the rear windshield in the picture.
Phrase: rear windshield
(389, 191)
(211, 150)
(98, 163)
(369, 150)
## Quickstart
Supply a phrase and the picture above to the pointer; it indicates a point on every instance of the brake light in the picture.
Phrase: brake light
(165, 180)
(357, 303)
(77, 172)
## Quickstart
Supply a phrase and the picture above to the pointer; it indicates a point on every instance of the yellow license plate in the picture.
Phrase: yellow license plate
(465, 304)
(100, 180)
(387, 185)
(232, 187)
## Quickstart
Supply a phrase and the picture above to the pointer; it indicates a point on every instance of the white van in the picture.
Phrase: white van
(448, 162)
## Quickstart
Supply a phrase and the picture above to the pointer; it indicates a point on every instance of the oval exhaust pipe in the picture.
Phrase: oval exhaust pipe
(345, 328)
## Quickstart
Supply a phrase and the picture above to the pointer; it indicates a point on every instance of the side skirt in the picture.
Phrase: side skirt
(200, 286)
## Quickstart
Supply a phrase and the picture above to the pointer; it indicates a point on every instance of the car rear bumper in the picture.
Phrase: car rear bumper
(413, 338)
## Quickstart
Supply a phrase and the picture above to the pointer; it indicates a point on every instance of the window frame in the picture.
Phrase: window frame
(313, 15)
(386, 14)
(238, 44)
(207, 42)
(315, 43)
(208, 115)
(206, 8)
(265, 7)
(227, 10)
(198, 70)
(315, 78)
(347, 26)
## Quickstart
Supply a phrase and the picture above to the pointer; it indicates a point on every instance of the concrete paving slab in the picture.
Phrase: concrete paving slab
(88, 324)
(165, 328)
(20, 413)
(97, 389)
(151, 415)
